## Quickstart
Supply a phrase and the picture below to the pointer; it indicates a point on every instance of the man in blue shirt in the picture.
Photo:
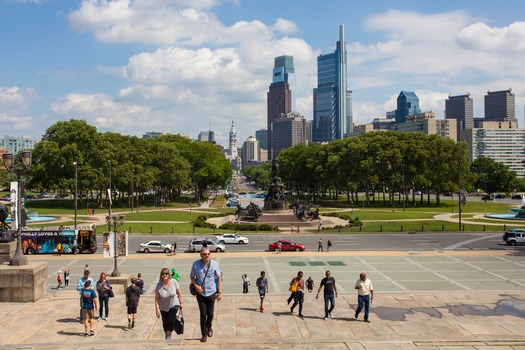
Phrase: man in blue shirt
(89, 306)
(80, 285)
(205, 275)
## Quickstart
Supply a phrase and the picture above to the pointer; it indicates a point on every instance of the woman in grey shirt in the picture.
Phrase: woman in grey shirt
(168, 299)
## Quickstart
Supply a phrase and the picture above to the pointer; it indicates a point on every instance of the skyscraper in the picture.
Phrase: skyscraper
(289, 130)
(461, 108)
(262, 136)
(407, 105)
(279, 97)
(500, 106)
(331, 96)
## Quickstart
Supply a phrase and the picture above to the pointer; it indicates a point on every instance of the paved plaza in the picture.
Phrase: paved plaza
(423, 300)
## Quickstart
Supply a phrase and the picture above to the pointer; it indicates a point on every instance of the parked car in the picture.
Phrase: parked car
(195, 245)
(5, 198)
(517, 196)
(155, 247)
(514, 236)
(499, 196)
(232, 238)
(287, 245)
(30, 197)
(46, 195)
(487, 198)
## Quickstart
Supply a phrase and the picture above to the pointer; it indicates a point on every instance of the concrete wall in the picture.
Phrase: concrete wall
(26, 283)
(7, 250)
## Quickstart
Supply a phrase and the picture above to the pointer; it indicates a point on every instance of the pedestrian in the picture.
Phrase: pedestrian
(140, 283)
(365, 295)
(133, 293)
(175, 275)
(93, 212)
(89, 306)
(279, 247)
(168, 300)
(330, 293)
(262, 286)
(205, 276)
(103, 289)
(245, 283)
(86, 267)
(329, 245)
(66, 277)
(59, 248)
(297, 289)
(204, 243)
(293, 228)
(59, 279)
(310, 284)
(174, 248)
(320, 245)
(80, 285)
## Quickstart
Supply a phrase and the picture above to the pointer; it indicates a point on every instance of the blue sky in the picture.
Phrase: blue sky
(180, 66)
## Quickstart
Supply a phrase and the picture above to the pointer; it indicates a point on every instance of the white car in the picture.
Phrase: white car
(155, 247)
(232, 238)
(213, 246)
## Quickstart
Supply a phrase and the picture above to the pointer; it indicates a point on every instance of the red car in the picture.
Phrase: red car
(286, 246)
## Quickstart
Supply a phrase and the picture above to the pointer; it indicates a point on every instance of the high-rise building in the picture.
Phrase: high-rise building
(500, 106)
(500, 141)
(291, 129)
(250, 151)
(407, 105)
(262, 136)
(349, 113)
(461, 108)
(331, 95)
(206, 136)
(427, 124)
(15, 144)
(279, 97)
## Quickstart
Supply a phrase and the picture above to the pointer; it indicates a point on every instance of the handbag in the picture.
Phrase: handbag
(179, 323)
(193, 290)
(110, 292)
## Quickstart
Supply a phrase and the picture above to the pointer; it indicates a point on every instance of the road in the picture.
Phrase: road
(432, 241)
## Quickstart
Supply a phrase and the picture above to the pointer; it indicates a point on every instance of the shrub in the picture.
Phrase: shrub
(245, 227)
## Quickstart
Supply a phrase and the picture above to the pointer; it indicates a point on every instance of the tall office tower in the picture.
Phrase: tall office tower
(349, 113)
(233, 142)
(461, 108)
(289, 130)
(250, 151)
(279, 97)
(500, 106)
(331, 95)
(262, 136)
(206, 136)
(407, 105)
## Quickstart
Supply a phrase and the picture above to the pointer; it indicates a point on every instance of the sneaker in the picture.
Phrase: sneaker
(105, 318)
(330, 315)
(129, 324)
(86, 334)
(91, 333)
(301, 315)
(167, 337)
(99, 319)
(325, 318)
(261, 309)
(367, 321)
(355, 316)
(132, 325)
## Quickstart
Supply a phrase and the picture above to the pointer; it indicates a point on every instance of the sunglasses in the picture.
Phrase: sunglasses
(205, 253)
(165, 273)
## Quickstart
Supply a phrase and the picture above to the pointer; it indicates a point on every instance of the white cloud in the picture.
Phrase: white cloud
(481, 37)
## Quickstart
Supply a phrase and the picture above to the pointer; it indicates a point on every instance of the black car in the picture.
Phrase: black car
(487, 198)
(517, 196)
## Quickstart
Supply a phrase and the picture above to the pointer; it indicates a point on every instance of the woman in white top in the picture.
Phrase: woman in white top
(168, 300)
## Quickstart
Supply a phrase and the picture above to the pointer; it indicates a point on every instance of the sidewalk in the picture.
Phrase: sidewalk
(462, 320)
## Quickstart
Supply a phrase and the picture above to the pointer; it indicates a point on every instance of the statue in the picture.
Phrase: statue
(275, 167)
(4, 214)
(275, 198)
(252, 211)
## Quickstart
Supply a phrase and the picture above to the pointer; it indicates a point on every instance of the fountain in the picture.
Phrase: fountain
(517, 213)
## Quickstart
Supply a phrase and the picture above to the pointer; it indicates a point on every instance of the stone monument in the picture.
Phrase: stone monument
(275, 199)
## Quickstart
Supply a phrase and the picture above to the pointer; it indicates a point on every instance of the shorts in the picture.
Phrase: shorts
(262, 293)
(132, 310)
(89, 314)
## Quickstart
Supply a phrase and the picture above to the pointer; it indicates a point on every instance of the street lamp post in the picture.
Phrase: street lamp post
(459, 194)
(403, 176)
(19, 258)
(115, 220)
(76, 164)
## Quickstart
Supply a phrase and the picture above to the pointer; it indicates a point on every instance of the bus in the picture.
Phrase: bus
(45, 241)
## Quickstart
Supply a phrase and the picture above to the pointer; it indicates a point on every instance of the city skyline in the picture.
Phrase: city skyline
(174, 66)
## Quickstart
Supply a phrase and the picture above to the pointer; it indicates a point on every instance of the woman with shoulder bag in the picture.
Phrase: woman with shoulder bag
(298, 296)
(168, 300)
(103, 289)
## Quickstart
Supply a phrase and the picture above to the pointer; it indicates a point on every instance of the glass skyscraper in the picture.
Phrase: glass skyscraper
(407, 105)
(331, 96)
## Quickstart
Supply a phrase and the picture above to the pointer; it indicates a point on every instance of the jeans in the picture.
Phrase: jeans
(206, 308)
(168, 318)
(104, 304)
(298, 298)
(331, 299)
(245, 287)
(363, 301)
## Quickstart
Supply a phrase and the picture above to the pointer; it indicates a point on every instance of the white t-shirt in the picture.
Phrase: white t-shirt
(367, 287)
